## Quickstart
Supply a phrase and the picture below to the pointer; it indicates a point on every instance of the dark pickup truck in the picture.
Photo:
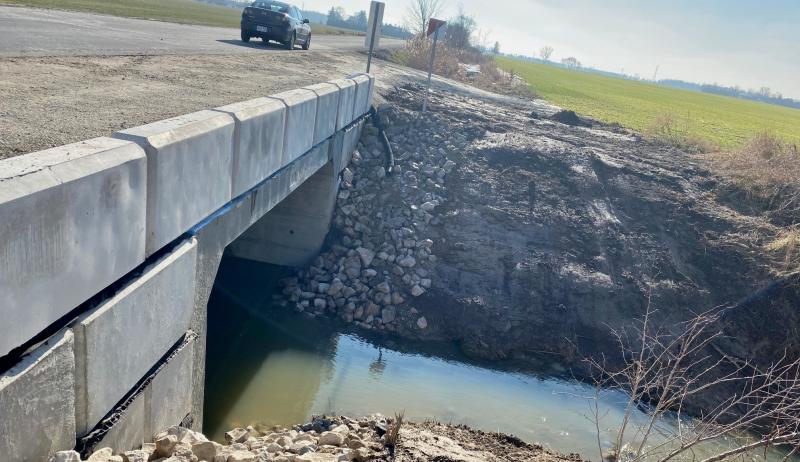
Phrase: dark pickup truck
(276, 21)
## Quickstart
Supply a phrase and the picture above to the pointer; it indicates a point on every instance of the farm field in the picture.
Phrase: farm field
(723, 121)
(178, 11)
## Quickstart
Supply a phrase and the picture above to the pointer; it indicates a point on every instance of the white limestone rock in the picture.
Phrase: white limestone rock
(65, 456)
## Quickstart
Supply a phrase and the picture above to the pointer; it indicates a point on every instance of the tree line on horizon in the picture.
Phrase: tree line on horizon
(338, 17)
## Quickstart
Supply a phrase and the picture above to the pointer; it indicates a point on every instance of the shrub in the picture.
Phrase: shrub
(668, 129)
(417, 54)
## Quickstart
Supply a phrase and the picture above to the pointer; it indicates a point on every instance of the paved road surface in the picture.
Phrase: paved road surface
(38, 32)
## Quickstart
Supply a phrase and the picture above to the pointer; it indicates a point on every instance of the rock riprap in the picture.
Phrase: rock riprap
(321, 440)
(332, 439)
(380, 254)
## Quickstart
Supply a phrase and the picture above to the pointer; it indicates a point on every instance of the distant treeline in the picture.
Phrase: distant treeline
(358, 21)
(764, 94)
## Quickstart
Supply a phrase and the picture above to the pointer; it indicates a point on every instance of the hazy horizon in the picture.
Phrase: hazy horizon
(746, 43)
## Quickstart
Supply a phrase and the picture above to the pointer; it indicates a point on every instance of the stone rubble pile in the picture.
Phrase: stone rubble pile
(324, 439)
(382, 254)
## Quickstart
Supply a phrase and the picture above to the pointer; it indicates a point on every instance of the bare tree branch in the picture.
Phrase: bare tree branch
(660, 370)
(419, 12)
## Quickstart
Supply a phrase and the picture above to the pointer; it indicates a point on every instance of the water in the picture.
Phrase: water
(269, 367)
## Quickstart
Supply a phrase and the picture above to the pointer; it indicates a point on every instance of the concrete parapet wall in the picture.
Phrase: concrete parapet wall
(279, 186)
(72, 221)
(189, 165)
(257, 141)
(363, 94)
(327, 110)
(130, 332)
(37, 402)
(301, 114)
(347, 99)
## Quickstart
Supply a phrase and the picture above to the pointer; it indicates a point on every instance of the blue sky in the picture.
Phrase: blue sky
(746, 42)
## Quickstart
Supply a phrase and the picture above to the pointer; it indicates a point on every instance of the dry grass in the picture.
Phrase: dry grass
(417, 52)
(393, 435)
(670, 129)
(449, 61)
(784, 249)
(767, 169)
(768, 166)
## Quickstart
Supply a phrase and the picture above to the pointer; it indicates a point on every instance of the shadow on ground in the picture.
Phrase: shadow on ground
(254, 44)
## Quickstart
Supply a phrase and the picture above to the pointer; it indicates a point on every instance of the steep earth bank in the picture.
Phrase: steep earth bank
(527, 235)
(333, 439)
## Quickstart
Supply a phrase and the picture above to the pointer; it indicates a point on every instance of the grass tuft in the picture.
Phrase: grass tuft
(669, 129)
(393, 435)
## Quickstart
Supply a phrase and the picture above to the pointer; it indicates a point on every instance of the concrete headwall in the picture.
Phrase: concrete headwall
(109, 249)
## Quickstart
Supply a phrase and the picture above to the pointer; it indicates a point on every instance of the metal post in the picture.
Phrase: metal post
(430, 71)
(371, 45)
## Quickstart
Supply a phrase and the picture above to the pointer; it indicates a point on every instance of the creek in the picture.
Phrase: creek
(267, 365)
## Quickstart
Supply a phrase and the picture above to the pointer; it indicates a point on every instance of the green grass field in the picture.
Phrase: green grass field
(179, 11)
(723, 121)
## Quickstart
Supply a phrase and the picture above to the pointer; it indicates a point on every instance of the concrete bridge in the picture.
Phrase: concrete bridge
(109, 249)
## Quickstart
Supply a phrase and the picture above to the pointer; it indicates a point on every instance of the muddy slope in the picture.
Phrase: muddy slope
(552, 233)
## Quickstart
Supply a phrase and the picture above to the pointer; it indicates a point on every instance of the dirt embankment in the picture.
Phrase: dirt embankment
(532, 237)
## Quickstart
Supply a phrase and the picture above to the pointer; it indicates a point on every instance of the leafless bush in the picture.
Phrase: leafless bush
(417, 54)
(449, 63)
(668, 128)
(662, 371)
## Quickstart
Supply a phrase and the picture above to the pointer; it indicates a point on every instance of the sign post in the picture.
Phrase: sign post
(434, 25)
(374, 27)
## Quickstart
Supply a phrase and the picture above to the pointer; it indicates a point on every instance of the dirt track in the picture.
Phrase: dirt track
(51, 101)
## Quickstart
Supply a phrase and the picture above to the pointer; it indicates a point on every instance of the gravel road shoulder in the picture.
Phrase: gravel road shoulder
(51, 101)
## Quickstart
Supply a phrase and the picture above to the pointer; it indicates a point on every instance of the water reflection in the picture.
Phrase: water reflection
(378, 366)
